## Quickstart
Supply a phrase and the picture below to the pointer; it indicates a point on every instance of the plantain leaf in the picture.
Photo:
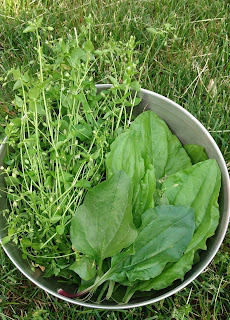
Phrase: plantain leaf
(196, 153)
(85, 268)
(103, 225)
(159, 144)
(198, 187)
(125, 155)
(163, 237)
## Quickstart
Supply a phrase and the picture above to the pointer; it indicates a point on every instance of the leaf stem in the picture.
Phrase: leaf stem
(128, 295)
(110, 290)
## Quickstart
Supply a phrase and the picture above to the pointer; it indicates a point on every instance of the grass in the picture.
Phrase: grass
(190, 65)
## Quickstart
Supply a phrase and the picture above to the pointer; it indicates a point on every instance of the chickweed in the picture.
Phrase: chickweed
(58, 143)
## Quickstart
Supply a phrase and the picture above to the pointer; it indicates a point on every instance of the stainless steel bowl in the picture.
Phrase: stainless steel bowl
(190, 131)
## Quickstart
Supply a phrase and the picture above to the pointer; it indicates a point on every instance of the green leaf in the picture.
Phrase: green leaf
(88, 46)
(16, 73)
(178, 269)
(198, 187)
(137, 101)
(85, 268)
(39, 21)
(60, 229)
(34, 93)
(102, 226)
(55, 219)
(65, 176)
(18, 101)
(83, 184)
(135, 85)
(17, 85)
(125, 155)
(159, 143)
(37, 106)
(25, 242)
(144, 200)
(163, 237)
(17, 122)
(171, 273)
(5, 240)
(196, 153)
(78, 53)
(30, 28)
(49, 182)
(83, 131)
(113, 81)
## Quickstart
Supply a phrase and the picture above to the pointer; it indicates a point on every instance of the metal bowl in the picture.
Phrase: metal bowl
(190, 131)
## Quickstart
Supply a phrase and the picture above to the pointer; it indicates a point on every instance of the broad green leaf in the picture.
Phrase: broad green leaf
(85, 268)
(196, 153)
(102, 226)
(199, 187)
(163, 237)
(159, 143)
(18, 101)
(144, 200)
(125, 155)
(171, 273)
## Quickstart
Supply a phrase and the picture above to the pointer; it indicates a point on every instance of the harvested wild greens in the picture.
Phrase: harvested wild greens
(175, 210)
(56, 146)
(101, 201)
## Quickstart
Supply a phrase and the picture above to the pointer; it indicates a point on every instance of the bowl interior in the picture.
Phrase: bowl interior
(189, 131)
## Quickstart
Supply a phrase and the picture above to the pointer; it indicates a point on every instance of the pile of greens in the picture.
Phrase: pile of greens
(143, 227)
(114, 205)
(56, 145)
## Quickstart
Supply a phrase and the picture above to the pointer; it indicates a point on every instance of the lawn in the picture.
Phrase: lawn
(186, 58)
